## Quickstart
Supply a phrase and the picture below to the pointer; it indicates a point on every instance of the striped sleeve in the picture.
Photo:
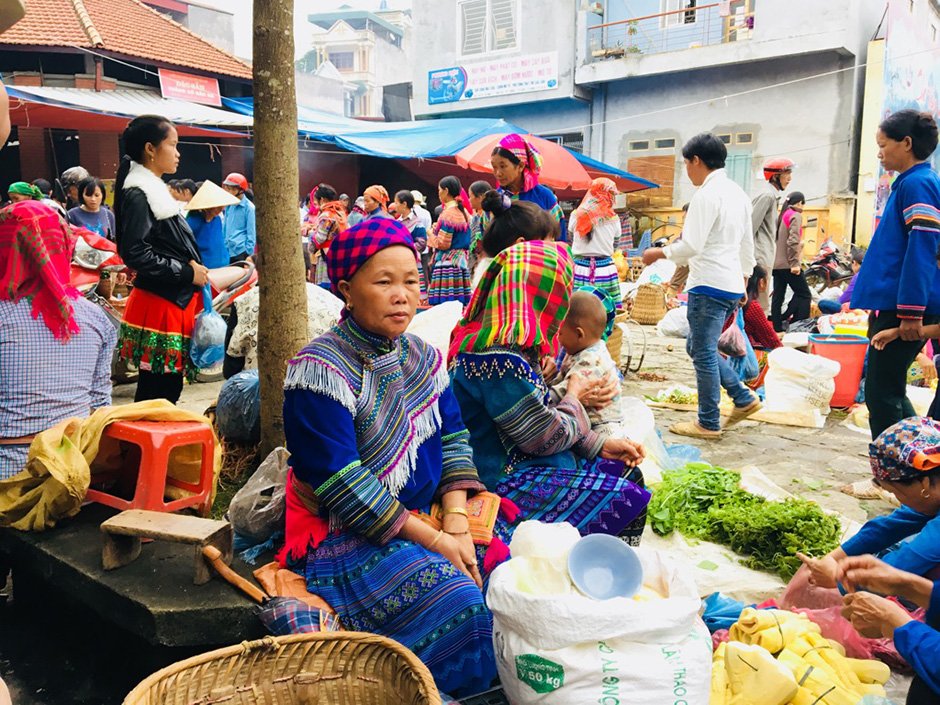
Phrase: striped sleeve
(321, 438)
(458, 471)
(362, 503)
(921, 214)
(442, 234)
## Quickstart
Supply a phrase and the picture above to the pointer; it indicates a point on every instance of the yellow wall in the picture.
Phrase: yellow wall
(868, 158)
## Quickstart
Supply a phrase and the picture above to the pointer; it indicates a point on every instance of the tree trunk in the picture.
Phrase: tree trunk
(282, 323)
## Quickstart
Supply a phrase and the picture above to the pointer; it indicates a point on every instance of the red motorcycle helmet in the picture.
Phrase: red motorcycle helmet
(237, 180)
(780, 165)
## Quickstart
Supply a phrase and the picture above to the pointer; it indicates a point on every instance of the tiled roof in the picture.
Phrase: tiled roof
(125, 27)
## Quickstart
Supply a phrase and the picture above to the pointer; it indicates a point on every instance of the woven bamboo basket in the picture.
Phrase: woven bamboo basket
(649, 307)
(327, 668)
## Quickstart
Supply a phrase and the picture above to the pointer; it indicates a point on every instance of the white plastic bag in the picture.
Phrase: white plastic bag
(568, 649)
(435, 325)
(799, 382)
(257, 509)
(660, 272)
(675, 323)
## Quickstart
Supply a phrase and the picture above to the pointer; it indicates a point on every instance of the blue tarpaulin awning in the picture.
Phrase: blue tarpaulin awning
(418, 139)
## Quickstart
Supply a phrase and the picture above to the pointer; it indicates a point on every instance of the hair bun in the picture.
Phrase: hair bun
(496, 203)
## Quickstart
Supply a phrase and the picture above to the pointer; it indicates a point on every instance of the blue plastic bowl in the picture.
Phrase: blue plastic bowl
(604, 567)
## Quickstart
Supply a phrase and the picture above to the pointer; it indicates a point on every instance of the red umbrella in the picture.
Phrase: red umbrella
(560, 169)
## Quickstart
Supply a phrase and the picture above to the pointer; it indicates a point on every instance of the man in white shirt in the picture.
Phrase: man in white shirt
(718, 246)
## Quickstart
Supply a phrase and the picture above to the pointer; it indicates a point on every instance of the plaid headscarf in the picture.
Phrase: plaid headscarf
(907, 450)
(35, 256)
(352, 248)
(598, 203)
(521, 300)
(379, 193)
(610, 306)
(528, 155)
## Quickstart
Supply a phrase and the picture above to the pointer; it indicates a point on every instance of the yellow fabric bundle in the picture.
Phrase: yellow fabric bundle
(743, 674)
(818, 668)
(59, 466)
(772, 629)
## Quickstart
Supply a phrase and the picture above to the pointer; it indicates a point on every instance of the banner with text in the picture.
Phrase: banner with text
(195, 89)
(486, 79)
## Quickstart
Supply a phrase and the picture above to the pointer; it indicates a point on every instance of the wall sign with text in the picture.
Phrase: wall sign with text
(486, 79)
(184, 86)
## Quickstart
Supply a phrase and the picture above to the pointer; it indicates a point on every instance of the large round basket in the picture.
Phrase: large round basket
(328, 668)
(649, 307)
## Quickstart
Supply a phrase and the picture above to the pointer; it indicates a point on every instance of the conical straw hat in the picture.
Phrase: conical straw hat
(210, 195)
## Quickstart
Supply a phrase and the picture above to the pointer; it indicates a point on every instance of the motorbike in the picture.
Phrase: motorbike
(96, 259)
(831, 267)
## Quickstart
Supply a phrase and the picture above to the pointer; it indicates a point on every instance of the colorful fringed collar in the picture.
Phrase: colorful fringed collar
(390, 387)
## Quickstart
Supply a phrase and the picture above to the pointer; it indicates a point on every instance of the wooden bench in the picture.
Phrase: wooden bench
(123, 534)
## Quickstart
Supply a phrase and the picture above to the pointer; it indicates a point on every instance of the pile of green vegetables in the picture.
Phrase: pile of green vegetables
(706, 502)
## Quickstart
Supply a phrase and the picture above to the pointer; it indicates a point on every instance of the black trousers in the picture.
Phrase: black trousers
(886, 377)
(154, 386)
(798, 310)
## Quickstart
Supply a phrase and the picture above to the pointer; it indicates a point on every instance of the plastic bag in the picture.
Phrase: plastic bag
(732, 342)
(798, 382)
(564, 649)
(208, 344)
(238, 411)
(675, 323)
(257, 509)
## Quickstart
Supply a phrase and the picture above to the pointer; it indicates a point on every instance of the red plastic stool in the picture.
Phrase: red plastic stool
(156, 440)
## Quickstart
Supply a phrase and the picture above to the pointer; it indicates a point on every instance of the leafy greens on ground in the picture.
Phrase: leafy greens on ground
(706, 502)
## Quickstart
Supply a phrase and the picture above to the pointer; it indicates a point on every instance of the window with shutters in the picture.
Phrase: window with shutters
(487, 26)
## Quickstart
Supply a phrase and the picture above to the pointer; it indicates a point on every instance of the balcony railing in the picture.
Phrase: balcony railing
(706, 25)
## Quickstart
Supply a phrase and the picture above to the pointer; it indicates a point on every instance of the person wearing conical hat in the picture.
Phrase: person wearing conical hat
(207, 223)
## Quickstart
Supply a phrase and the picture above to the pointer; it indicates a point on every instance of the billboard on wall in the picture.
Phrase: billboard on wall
(185, 86)
(486, 79)
(912, 75)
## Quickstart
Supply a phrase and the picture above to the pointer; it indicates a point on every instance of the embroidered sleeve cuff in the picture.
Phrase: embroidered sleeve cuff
(361, 503)
(590, 445)
(911, 312)
(458, 471)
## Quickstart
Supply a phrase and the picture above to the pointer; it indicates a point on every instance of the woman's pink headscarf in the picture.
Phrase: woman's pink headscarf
(528, 155)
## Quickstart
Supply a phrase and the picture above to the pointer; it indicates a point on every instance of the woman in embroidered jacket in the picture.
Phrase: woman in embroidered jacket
(155, 240)
(375, 435)
(540, 457)
(450, 238)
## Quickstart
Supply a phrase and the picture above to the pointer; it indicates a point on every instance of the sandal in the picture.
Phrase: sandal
(693, 430)
(739, 413)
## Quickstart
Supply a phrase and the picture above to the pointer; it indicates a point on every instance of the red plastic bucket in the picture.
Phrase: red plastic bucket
(849, 351)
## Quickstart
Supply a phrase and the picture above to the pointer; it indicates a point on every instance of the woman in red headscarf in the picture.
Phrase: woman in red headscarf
(594, 232)
(55, 347)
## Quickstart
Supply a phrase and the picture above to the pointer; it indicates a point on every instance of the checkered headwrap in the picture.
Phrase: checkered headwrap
(521, 300)
(353, 247)
(907, 450)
